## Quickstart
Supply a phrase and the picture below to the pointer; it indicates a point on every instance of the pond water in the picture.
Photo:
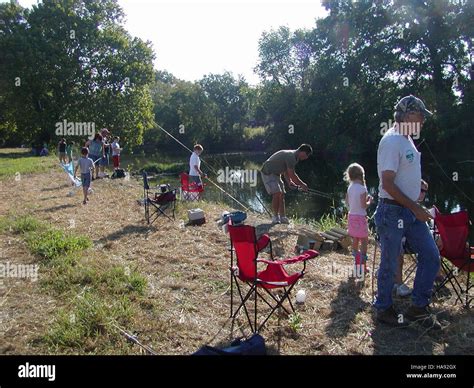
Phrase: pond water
(324, 175)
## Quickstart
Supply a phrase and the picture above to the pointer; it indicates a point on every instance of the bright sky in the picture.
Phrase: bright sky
(194, 38)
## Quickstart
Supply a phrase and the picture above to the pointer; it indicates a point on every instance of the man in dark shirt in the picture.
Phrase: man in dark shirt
(283, 163)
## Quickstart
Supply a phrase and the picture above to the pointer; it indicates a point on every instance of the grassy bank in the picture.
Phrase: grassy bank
(15, 162)
(101, 266)
(101, 295)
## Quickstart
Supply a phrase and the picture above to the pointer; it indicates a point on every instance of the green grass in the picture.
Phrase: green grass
(329, 221)
(326, 222)
(103, 292)
(295, 322)
(16, 162)
(72, 274)
(120, 280)
(19, 225)
(89, 318)
(160, 168)
(51, 243)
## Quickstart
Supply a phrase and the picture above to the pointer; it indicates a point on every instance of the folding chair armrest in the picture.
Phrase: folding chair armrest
(274, 262)
(306, 255)
(302, 258)
(263, 241)
(281, 284)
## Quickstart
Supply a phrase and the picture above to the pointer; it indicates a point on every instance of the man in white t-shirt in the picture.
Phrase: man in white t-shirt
(399, 215)
(195, 172)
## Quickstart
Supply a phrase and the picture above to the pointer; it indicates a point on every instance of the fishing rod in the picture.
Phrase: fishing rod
(310, 194)
(133, 338)
(212, 169)
(188, 149)
(130, 337)
(444, 172)
(319, 192)
(256, 194)
(230, 196)
(261, 203)
(313, 192)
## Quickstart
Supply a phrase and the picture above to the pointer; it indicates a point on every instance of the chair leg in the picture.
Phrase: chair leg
(468, 287)
(409, 271)
(466, 305)
(274, 298)
(255, 310)
(147, 211)
(231, 292)
(243, 301)
(451, 279)
(289, 301)
(279, 304)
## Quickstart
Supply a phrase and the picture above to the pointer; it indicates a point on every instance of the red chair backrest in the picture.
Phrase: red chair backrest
(454, 230)
(165, 198)
(244, 242)
(191, 187)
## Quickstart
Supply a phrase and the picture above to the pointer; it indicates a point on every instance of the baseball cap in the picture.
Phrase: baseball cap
(410, 104)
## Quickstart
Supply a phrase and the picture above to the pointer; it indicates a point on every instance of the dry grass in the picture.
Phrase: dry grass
(186, 301)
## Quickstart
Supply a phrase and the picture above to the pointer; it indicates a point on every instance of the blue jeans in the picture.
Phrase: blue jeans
(393, 222)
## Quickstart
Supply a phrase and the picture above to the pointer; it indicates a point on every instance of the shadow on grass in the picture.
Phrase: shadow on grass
(263, 228)
(238, 328)
(128, 231)
(16, 155)
(344, 308)
(59, 207)
(414, 339)
(56, 188)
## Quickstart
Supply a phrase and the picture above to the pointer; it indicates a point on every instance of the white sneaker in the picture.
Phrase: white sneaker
(403, 290)
(275, 219)
(284, 220)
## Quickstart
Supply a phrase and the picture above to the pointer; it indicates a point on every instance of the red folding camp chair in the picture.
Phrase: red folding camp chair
(457, 256)
(157, 204)
(190, 191)
(246, 246)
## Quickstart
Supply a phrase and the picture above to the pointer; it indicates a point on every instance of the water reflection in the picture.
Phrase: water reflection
(326, 175)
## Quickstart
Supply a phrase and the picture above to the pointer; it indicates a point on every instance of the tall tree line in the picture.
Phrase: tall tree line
(71, 60)
(333, 86)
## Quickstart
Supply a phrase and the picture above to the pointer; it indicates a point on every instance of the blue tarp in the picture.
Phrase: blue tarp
(69, 170)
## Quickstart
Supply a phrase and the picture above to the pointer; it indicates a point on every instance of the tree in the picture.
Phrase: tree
(357, 62)
(229, 103)
(72, 60)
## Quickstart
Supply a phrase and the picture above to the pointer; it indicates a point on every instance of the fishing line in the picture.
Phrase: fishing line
(207, 164)
(230, 196)
(444, 172)
(256, 194)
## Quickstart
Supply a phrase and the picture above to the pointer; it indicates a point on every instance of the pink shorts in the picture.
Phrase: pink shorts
(357, 226)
